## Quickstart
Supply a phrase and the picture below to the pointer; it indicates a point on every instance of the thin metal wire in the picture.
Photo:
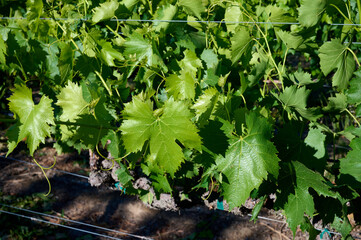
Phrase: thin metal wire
(86, 224)
(77, 222)
(59, 225)
(180, 21)
(57, 170)
(279, 221)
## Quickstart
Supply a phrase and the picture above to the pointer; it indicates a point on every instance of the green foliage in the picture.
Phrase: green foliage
(300, 201)
(335, 55)
(253, 106)
(248, 161)
(351, 164)
(162, 128)
(33, 121)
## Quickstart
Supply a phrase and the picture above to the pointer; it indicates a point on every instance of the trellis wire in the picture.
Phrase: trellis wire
(180, 21)
(279, 221)
(59, 225)
(131, 235)
(57, 170)
(86, 224)
(76, 222)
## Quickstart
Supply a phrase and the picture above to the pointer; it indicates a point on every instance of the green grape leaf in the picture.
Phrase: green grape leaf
(354, 92)
(105, 11)
(210, 58)
(161, 184)
(299, 200)
(138, 48)
(233, 14)
(342, 226)
(123, 175)
(33, 120)
(52, 62)
(249, 160)
(241, 41)
(65, 63)
(295, 97)
(337, 103)
(205, 105)
(182, 86)
(335, 55)
(311, 11)
(89, 131)
(164, 14)
(291, 145)
(13, 137)
(129, 4)
(316, 140)
(351, 164)
(193, 7)
(301, 78)
(71, 100)
(113, 144)
(162, 128)
(90, 41)
(136, 129)
(2, 50)
(34, 9)
(190, 62)
(291, 40)
(108, 54)
(279, 15)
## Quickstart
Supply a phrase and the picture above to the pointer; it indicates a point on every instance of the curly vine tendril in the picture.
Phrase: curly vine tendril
(46, 177)
(113, 160)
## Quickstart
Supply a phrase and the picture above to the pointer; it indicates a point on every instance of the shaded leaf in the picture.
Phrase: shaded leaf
(316, 139)
(354, 92)
(335, 55)
(241, 41)
(295, 97)
(2, 50)
(299, 200)
(337, 103)
(311, 11)
(351, 164)
(65, 63)
(301, 78)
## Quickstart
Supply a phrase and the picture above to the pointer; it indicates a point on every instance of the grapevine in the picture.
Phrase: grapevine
(234, 98)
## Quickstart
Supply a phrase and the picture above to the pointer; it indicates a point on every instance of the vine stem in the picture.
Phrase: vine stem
(7, 120)
(269, 52)
(104, 83)
(354, 118)
(359, 9)
(354, 55)
(343, 15)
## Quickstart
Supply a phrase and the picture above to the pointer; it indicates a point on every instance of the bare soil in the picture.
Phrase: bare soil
(73, 198)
